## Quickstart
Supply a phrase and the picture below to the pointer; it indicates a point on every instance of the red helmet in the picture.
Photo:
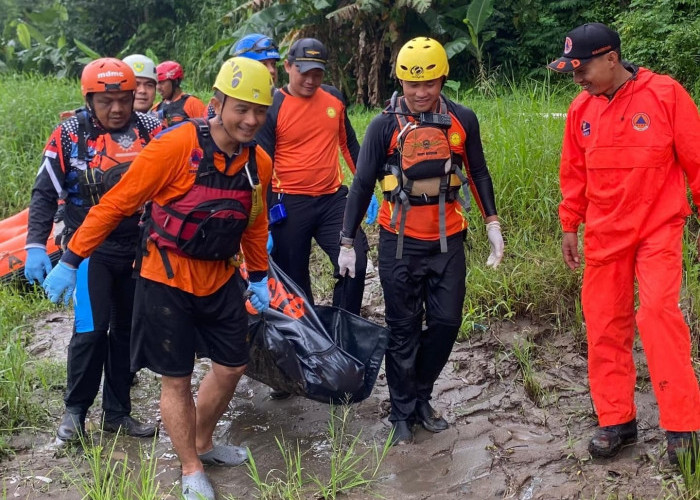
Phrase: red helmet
(107, 75)
(169, 70)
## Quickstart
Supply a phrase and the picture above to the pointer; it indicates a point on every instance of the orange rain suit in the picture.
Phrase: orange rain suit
(622, 174)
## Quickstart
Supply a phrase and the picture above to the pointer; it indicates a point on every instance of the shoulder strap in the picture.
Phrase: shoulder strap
(206, 143)
(83, 129)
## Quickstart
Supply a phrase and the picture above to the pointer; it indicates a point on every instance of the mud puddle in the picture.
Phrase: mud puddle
(500, 443)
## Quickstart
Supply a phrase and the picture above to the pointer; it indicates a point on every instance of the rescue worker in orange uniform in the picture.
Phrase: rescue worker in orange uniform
(206, 180)
(630, 144)
(84, 158)
(175, 105)
(422, 265)
(306, 125)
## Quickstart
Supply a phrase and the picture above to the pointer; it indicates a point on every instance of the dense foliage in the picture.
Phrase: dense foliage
(486, 40)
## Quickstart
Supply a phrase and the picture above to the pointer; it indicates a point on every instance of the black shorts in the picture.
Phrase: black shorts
(171, 327)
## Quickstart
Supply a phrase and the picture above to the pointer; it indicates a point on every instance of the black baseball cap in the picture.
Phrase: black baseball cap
(583, 43)
(308, 54)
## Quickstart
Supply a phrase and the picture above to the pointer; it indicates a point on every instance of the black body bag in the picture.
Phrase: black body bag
(323, 353)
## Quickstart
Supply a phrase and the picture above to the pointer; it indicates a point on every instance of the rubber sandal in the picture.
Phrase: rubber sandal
(197, 487)
(225, 455)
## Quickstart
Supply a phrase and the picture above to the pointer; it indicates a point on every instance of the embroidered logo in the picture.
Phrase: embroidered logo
(195, 159)
(640, 122)
(125, 142)
(585, 128)
(330, 111)
(568, 45)
(455, 139)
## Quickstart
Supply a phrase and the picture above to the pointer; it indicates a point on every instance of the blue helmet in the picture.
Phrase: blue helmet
(256, 46)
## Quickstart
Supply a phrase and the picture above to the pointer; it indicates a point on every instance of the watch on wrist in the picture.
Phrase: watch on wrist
(345, 241)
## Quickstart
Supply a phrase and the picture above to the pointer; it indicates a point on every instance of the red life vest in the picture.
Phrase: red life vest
(108, 157)
(207, 223)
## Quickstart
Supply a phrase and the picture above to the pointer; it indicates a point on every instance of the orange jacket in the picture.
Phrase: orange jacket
(302, 135)
(164, 172)
(623, 162)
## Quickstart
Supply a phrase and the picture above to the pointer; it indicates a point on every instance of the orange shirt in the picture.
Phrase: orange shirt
(163, 172)
(302, 135)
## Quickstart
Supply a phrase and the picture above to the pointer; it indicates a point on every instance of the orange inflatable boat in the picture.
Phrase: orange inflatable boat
(13, 234)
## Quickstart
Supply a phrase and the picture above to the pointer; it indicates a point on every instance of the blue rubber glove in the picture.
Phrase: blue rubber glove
(270, 243)
(61, 282)
(37, 265)
(372, 210)
(260, 295)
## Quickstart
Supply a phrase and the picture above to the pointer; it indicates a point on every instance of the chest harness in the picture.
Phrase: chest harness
(207, 222)
(422, 170)
(100, 170)
(174, 111)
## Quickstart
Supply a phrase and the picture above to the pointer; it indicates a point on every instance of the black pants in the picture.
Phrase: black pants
(320, 218)
(103, 301)
(424, 282)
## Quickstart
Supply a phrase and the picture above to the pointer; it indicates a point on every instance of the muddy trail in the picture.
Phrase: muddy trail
(500, 443)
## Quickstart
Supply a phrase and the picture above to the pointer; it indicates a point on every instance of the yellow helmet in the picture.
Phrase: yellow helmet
(245, 79)
(421, 59)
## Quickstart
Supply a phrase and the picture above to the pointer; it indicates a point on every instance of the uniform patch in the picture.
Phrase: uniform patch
(585, 128)
(330, 111)
(455, 139)
(125, 142)
(195, 158)
(640, 122)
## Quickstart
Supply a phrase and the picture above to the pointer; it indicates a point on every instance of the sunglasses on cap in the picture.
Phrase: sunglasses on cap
(262, 45)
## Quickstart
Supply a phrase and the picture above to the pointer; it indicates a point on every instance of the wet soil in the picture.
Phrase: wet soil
(500, 443)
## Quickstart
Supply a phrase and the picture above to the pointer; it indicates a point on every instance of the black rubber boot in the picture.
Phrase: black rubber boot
(683, 443)
(402, 433)
(72, 426)
(129, 426)
(429, 418)
(609, 440)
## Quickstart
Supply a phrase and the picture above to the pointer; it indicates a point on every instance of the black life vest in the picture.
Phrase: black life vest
(102, 172)
(422, 170)
(173, 112)
(207, 223)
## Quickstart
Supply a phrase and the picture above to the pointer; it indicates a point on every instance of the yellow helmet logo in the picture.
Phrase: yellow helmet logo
(138, 67)
(417, 71)
(330, 111)
(237, 74)
(455, 139)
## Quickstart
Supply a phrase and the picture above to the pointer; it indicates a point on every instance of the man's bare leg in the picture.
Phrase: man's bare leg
(180, 419)
(215, 393)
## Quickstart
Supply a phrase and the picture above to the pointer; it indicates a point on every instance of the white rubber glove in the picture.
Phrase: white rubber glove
(346, 261)
(493, 231)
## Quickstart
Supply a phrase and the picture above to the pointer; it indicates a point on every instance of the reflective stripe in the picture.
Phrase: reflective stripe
(46, 165)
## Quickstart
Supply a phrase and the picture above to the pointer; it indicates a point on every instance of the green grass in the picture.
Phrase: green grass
(27, 386)
(29, 108)
(352, 465)
(101, 474)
